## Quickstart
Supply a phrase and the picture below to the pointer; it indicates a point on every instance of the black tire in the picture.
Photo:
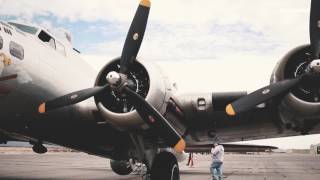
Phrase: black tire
(165, 167)
(39, 148)
(120, 167)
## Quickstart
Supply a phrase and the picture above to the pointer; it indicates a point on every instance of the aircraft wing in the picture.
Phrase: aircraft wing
(207, 120)
(228, 147)
(5, 137)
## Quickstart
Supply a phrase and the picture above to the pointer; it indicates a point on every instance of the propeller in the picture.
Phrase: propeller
(283, 87)
(315, 28)
(130, 50)
(71, 98)
(261, 95)
(135, 36)
(154, 119)
(118, 82)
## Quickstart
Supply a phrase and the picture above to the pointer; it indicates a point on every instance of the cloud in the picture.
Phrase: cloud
(284, 18)
(72, 10)
(190, 29)
(179, 29)
(189, 42)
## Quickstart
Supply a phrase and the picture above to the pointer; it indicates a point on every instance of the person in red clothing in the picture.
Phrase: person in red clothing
(190, 160)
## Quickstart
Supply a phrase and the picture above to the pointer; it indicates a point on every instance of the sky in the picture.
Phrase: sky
(207, 45)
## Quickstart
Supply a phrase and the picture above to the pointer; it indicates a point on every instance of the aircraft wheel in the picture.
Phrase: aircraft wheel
(165, 167)
(120, 167)
(39, 148)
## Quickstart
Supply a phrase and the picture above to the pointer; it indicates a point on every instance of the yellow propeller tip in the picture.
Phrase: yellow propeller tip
(42, 108)
(230, 111)
(145, 3)
(180, 146)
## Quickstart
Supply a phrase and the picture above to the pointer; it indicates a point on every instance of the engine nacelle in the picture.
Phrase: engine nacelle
(300, 103)
(148, 82)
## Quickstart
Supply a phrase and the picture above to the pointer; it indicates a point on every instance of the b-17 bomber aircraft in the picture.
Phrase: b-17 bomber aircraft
(130, 112)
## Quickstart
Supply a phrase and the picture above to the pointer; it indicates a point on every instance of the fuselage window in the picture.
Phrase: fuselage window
(24, 28)
(16, 50)
(6, 25)
(1, 42)
(60, 48)
(45, 37)
(7, 31)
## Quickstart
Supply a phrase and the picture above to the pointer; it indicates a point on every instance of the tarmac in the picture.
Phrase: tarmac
(83, 166)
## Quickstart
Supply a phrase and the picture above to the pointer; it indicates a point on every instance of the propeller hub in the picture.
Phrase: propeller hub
(113, 78)
(315, 66)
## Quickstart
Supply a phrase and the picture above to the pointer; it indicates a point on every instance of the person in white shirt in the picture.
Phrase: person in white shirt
(217, 160)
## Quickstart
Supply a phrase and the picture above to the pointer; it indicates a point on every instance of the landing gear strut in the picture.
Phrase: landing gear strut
(160, 166)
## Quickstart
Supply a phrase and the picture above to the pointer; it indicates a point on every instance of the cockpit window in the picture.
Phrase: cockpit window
(45, 37)
(25, 28)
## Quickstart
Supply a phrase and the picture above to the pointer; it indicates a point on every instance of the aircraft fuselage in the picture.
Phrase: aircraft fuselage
(43, 74)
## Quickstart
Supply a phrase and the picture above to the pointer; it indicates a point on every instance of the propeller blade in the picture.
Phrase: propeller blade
(135, 35)
(315, 28)
(69, 99)
(154, 119)
(261, 95)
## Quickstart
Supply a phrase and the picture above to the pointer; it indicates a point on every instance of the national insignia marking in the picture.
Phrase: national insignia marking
(5, 59)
